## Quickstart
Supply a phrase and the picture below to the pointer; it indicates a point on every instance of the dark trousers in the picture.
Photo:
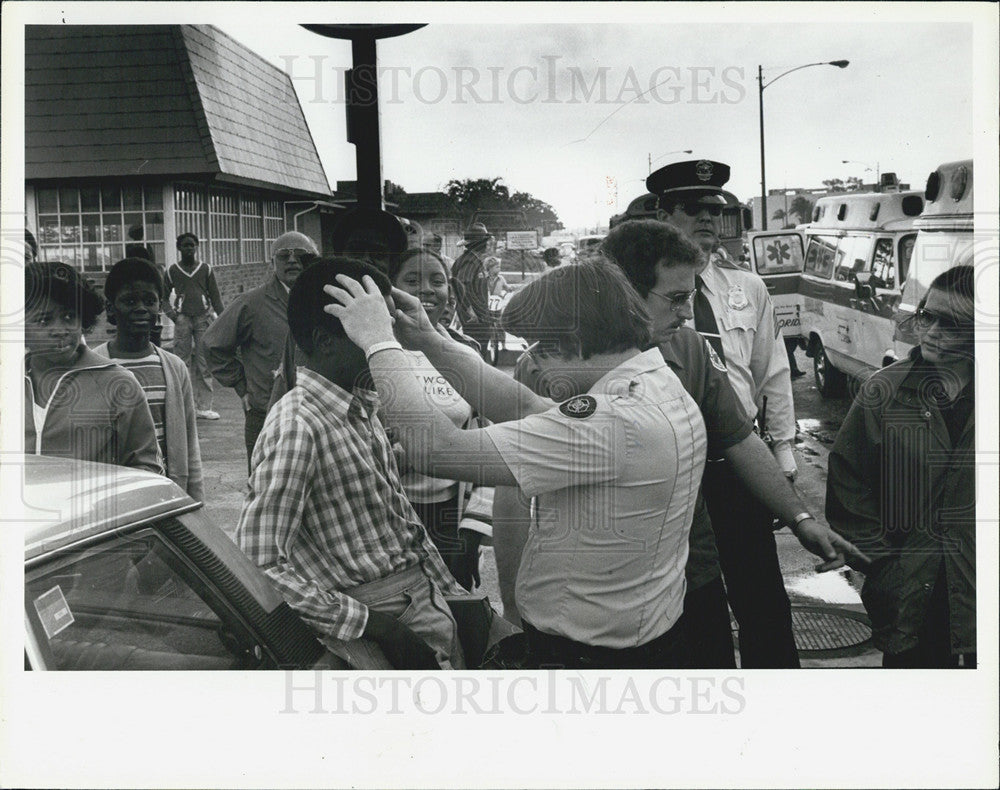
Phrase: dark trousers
(749, 559)
(460, 554)
(707, 627)
(547, 651)
(251, 430)
(933, 650)
(482, 334)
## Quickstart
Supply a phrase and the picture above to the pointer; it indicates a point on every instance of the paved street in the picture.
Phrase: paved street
(225, 477)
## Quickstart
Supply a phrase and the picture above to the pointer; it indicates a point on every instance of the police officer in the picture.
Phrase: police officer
(733, 311)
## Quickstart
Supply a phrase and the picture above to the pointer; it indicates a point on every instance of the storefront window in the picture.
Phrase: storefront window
(84, 226)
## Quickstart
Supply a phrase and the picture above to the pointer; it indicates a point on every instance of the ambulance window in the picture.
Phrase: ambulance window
(852, 257)
(905, 253)
(778, 254)
(820, 254)
(883, 267)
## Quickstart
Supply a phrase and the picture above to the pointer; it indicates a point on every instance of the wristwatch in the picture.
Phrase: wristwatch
(799, 519)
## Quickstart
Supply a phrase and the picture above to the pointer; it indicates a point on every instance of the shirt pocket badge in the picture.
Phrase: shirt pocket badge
(737, 298)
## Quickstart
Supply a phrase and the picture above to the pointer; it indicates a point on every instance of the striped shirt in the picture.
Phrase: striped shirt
(326, 510)
(149, 372)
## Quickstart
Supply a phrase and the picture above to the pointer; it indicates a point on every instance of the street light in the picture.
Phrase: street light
(840, 64)
(868, 168)
(668, 153)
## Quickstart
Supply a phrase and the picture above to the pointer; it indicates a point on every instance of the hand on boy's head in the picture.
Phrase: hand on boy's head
(362, 310)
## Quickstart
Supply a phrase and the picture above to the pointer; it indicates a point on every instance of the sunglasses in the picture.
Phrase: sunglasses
(286, 255)
(927, 318)
(694, 209)
(677, 298)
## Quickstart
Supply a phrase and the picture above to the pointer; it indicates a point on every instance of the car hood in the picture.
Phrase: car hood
(64, 501)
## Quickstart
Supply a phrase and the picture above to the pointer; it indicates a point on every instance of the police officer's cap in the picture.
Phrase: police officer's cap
(698, 180)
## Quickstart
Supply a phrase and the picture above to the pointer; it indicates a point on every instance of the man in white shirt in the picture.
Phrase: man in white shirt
(733, 311)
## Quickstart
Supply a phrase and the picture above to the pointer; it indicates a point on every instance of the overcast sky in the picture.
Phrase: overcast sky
(509, 100)
(568, 101)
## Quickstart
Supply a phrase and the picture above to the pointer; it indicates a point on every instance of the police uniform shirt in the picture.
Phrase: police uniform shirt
(616, 473)
(755, 354)
(704, 376)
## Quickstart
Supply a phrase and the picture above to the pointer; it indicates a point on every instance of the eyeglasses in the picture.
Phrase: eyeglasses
(677, 299)
(694, 209)
(927, 318)
(285, 255)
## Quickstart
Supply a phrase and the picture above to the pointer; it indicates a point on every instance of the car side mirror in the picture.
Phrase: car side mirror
(862, 285)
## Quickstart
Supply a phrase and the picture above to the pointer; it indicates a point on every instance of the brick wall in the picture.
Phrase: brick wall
(236, 279)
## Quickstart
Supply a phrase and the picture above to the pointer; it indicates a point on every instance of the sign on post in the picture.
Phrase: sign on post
(522, 240)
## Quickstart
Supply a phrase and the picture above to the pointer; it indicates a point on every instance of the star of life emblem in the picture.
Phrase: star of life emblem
(579, 407)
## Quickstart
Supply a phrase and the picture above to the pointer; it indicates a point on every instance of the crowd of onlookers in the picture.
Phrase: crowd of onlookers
(626, 474)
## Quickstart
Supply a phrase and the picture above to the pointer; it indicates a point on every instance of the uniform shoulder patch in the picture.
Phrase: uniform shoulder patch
(580, 407)
(717, 363)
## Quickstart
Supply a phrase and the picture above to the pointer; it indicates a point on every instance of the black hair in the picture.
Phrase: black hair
(958, 280)
(130, 270)
(188, 235)
(307, 299)
(135, 232)
(29, 239)
(61, 283)
(586, 309)
(638, 245)
(396, 261)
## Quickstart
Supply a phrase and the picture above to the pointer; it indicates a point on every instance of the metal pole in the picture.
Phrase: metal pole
(763, 184)
(363, 126)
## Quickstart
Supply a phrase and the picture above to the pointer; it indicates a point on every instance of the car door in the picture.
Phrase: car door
(133, 602)
(778, 257)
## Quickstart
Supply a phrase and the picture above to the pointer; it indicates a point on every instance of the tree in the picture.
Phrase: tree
(778, 215)
(478, 194)
(491, 194)
(537, 213)
(834, 185)
(802, 207)
(854, 184)
(393, 193)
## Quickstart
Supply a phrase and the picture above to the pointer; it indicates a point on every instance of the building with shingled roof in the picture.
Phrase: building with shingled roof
(175, 128)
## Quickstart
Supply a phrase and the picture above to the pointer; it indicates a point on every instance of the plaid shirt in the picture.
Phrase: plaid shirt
(326, 510)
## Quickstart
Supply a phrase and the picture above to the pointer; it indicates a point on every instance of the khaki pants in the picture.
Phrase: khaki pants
(413, 599)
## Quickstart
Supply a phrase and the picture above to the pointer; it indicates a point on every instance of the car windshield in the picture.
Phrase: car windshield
(132, 602)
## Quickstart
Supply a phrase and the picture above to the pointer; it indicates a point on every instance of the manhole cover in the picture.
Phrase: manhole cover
(822, 629)
(827, 630)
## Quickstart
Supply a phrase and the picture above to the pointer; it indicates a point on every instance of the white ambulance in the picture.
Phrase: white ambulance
(857, 253)
(945, 238)
(777, 256)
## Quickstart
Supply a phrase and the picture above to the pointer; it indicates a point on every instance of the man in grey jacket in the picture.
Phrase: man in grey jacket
(245, 343)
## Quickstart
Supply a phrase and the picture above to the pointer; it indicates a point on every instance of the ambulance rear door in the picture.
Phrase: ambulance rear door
(777, 256)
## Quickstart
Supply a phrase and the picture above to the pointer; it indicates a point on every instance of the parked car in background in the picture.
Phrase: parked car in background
(589, 245)
(123, 571)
